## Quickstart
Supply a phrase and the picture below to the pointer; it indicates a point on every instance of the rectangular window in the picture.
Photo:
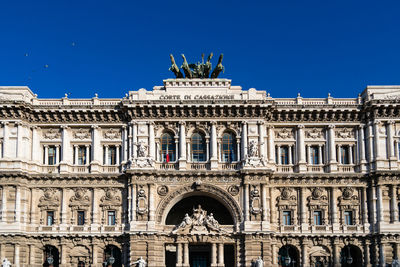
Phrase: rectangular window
(348, 217)
(344, 155)
(284, 160)
(81, 217)
(50, 218)
(111, 217)
(287, 218)
(51, 155)
(317, 217)
(82, 157)
(110, 155)
(314, 150)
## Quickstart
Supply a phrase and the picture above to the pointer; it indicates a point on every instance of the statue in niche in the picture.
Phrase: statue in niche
(6, 263)
(141, 150)
(253, 150)
(259, 262)
(174, 68)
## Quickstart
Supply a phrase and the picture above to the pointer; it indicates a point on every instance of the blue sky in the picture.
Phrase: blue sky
(284, 47)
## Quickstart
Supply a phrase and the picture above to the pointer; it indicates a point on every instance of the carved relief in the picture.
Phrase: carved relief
(51, 134)
(344, 133)
(284, 133)
(287, 201)
(82, 134)
(349, 201)
(252, 149)
(49, 201)
(112, 134)
(233, 190)
(318, 201)
(110, 201)
(314, 133)
(141, 201)
(162, 190)
(79, 199)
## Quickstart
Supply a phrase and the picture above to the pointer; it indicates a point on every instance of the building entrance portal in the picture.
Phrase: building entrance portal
(199, 255)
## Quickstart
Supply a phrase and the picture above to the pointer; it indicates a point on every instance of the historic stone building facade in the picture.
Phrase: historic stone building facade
(200, 173)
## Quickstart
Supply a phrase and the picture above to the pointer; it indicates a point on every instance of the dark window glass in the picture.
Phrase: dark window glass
(229, 148)
(111, 217)
(284, 155)
(51, 155)
(81, 217)
(50, 218)
(344, 155)
(287, 218)
(317, 217)
(81, 264)
(82, 157)
(168, 146)
(314, 150)
(198, 148)
(348, 217)
(111, 157)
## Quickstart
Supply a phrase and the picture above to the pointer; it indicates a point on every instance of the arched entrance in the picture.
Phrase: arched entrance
(50, 256)
(112, 256)
(289, 256)
(199, 218)
(351, 256)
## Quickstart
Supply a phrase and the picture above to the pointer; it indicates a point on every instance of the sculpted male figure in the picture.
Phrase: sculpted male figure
(140, 262)
(174, 68)
(218, 68)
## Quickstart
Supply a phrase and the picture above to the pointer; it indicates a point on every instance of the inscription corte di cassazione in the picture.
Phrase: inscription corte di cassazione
(196, 97)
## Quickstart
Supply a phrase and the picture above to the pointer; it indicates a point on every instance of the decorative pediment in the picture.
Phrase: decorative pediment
(112, 134)
(314, 133)
(348, 198)
(286, 199)
(49, 200)
(110, 198)
(198, 223)
(284, 133)
(51, 134)
(317, 199)
(82, 134)
(79, 199)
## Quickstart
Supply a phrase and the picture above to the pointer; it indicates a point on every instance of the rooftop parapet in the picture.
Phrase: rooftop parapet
(16, 93)
(381, 92)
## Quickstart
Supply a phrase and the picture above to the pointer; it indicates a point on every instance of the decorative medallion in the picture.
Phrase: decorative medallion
(82, 134)
(233, 190)
(112, 134)
(284, 133)
(314, 133)
(162, 190)
(52, 134)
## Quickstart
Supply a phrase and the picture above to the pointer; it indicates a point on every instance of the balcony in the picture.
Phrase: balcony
(285, 168)
(346, 168)
(198, 166)
(229, 166)
(167, 166)
(315, 168)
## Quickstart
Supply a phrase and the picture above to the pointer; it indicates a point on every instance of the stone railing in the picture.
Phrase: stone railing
(76, 102)
(285, 168)
(346, 168)
(198, 166)
(167, 166)
(315, 168)
(317, 101)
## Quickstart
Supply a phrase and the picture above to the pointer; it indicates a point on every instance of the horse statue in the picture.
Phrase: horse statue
(174, 68)
(207, 66)
(186, 68)
(218, 68)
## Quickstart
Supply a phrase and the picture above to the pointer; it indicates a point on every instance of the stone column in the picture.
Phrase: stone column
(134, 140)
(87, 152)
(382, 255)
(17, 204)
(380, 204)
(94, 255)
(133, 204)
(207, 149)
(35, 155)
(395, 214)
(336, 254)
(186, 255)
(364, 205)
(338, 148)
(374, 216)
(182, 145)
(96, 145)
(151, 202)
(4, 203)
(6, 131)
(290, 154)
(65, 156)
(351, 154)
(179, 255)
(221, 255)
(64, 203)
(309, 154)
(334, 208)
(271, 144)
(238, 149)
(378, 148)
(304, 255)
(76, 154)
(332, 148)
(19, 150)
(124, 147)
(301, 149)
(303, 210)
(46, 154)
(261, 139)
(361, 146)
(63, 254)
(279, 159)
(95, 214)
(274, 255)
(16, 254)
(366, 254)
(214, 144)
(117, 151)
(244, 140)
(213, 255)
(31, 255)
(319, 154)
(272, 205)
(246, 201)
(152, 141)
(106, 155)
(264, 202)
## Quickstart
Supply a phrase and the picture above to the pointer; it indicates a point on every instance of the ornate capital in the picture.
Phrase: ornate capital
(182, 123)
(390, 122)
(331, 126)
(65, 127)
(213, 123)
(261, 122)
(300, 126)
(94, 126)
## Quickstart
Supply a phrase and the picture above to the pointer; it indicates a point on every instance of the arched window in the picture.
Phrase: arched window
(198, 147)
(168, 148)
(229, 148)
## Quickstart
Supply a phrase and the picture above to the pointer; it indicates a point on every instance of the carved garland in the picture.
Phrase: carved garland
(48, 202)
(287, 202)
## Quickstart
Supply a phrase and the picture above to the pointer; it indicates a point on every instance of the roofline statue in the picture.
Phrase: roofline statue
(199, 70)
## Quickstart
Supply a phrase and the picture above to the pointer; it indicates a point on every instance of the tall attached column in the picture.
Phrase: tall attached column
(336, 253)
(390, 145)
(246, 201)
(244, 140)
(214, 144)
(179, 255)
(380, 204)
(66, 158)
(17, 204)
(134, 140)
(394, 208)
(361, 148)
(97, 152)
(4, 203)
(261, 138)
(186, 255)
(182, 145)
(16, 254)
(301, 149)
(303, 210)
(35, 150)
(379, 149)
(214, 255)
(265, 208)
(271, 144)
(151, 202)
(364, 205)
(334, 208)
(124, 147)
(304, 254)
(152, 141)
(221, 255)
(133, 203)
(6, 140)
(332, 148)
(64, 204)
(95, 207)
(20, 147)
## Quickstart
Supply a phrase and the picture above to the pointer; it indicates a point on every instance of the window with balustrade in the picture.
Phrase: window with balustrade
(168, 148)
(111, 217)
(348, 217)
(110, 155)
(314, 155)
(50, 154)
(198, 145)
(317, 217)
(80, 217)
(344, 152)
(82, 154)
(229, 148)
(50, 218)
(283, 155)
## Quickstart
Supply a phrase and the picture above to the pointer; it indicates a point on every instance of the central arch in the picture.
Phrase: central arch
(207, 190)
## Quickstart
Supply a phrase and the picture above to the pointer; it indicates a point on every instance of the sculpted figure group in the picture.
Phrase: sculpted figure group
(199, 70)
(198, 218)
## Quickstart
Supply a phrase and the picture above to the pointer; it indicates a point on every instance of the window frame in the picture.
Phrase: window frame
(167, 142)
(52, 217)
(348, 214)
(287, 217)
(114, 218)
(317, 217)
(200, 153)
(228, 148)
(80, 220)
